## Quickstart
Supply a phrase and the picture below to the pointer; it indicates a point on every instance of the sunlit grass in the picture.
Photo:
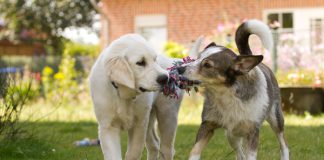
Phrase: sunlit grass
(54, 128)
(189, 114)
(49, 111)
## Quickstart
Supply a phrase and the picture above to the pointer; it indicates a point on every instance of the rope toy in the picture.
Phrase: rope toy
(170, 89)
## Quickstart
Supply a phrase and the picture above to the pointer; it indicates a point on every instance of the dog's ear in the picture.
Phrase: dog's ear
(120, 72)
(211, 45)
(244, 63)
(194, 50)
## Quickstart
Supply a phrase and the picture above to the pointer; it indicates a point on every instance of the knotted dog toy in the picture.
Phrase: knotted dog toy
(176, 80)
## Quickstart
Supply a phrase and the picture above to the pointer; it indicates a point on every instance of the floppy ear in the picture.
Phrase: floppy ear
(120, 72)
(244, 63)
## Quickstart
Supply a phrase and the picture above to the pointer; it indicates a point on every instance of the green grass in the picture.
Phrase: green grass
(54, 129)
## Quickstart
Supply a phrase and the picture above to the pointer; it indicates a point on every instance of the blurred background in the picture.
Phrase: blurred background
(47, 48)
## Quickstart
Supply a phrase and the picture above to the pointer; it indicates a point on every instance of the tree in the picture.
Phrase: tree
(44, 21)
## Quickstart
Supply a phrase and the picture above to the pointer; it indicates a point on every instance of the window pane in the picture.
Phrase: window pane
(157, 36)
(317, 32)
(273, 17)
(287, 20)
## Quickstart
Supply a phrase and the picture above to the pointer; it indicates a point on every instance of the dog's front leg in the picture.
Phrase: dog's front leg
(136, 140)
(236, 144)
(205, 132)
(110, 142)
(252, 144)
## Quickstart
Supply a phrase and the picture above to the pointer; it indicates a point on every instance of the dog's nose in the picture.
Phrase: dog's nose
(162, 79)
(181, 70)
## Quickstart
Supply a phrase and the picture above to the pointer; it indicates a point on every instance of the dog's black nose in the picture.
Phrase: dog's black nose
(162, 79)
(181, 70)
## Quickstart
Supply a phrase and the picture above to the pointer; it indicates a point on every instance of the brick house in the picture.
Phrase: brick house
(184, 20)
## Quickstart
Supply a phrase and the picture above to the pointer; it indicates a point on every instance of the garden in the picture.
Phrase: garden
(45, 111)
(45, 104)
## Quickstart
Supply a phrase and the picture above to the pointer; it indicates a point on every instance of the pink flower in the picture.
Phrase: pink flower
(220, 27)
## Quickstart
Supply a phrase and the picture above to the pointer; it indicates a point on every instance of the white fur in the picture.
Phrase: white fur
(284, 147)
(211, 50)
(252, 155)
(126, 108)
(194, 157)
(262, 30)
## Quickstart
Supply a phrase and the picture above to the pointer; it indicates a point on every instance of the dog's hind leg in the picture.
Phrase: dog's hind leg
(167, 116)
(152, 141)
(276, 121)
(205, 132)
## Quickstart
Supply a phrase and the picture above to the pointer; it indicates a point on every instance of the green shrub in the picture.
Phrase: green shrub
(61, 86)
(78, 49)
(175, 50)
(14, 95)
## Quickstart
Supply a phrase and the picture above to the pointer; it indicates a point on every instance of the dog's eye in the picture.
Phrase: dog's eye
(207, 65)
(141, 63)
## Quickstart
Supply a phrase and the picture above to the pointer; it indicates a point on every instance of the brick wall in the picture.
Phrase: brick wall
(187, 19)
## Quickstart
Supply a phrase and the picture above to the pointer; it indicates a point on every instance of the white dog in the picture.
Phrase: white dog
(121, 82)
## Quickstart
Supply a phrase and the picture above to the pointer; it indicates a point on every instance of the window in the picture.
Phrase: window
(317, 32)
(153, 28)
(281, 20)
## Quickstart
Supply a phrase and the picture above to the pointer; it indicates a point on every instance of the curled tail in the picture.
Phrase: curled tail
(252, 27)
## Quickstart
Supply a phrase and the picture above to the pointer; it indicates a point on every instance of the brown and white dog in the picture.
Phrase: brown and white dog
(240, 93)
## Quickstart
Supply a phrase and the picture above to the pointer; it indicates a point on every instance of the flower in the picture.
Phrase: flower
(47, 70)
(59, 76)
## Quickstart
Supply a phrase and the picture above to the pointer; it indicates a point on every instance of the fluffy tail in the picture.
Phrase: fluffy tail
(252, 27)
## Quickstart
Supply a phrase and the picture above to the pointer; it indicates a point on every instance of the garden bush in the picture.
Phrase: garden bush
(14, 95)
(61, 86)
(78, 49)
(175, 50)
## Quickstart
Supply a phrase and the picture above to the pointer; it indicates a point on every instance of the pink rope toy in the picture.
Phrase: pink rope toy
(177, 81)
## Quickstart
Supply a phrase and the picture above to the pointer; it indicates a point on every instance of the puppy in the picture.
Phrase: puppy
(240, 93)
(122, 82)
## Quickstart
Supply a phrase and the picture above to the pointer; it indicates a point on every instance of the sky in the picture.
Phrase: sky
(87, 35)
(81, 35)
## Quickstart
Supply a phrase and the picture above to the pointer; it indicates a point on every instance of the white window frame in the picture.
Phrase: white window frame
(279, 12)
(151, 21)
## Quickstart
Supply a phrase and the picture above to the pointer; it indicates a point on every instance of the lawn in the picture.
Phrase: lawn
(54, 128)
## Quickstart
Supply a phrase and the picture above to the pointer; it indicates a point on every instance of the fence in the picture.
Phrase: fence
(37, 63)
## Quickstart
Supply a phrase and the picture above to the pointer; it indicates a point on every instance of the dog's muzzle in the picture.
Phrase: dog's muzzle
(162, 79)
(181, 69)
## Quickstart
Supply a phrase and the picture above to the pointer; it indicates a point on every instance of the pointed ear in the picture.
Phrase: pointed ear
(243, 64)
(211, 45)
(194, 50)
(120, 72)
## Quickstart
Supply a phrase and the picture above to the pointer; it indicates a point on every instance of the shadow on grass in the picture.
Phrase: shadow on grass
(54, 140)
